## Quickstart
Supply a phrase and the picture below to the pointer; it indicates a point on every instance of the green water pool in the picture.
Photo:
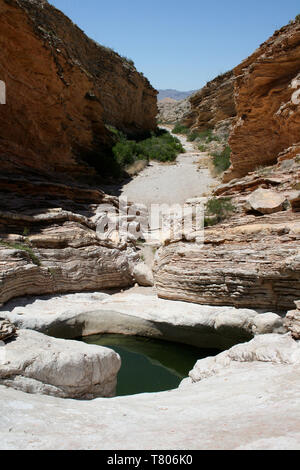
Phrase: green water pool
(150, 365)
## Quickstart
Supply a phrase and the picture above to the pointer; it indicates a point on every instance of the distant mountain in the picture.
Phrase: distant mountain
(174, 94)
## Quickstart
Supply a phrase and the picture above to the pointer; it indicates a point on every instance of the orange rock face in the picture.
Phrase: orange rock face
(62, 91)
(267, 94)
(212, 104)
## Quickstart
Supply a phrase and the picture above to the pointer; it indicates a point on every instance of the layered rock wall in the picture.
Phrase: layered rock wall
(251, 259)
(267, 88)
(62, 91)
(212, 104)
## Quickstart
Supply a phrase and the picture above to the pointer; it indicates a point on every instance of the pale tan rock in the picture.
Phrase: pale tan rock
(270, 348)
(171, 111)
(38, 364)
(265, 201)
(292, 321)
(143, 275)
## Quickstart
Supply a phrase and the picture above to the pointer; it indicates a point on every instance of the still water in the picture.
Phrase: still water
(150, 365)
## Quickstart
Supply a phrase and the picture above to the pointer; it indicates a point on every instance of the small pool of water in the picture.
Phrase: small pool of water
(150, 365)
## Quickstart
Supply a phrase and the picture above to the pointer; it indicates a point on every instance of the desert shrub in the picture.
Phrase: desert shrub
(164, 148)
(125, 152)
(217, 210)
(193, 136)
(161, 146)
(297, 19)
(221, 160)
(180, 129)
(202, 148)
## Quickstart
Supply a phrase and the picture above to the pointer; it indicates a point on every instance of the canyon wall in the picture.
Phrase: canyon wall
(62, 91)
(212, 104)
(251, 258)
(267, 88)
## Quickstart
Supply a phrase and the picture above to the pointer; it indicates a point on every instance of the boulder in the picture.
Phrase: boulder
(37, 364)
(270, 348)
(292, 321)
(265, 201)
(143, 275)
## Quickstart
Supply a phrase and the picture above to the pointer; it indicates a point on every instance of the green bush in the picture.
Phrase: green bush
(297, 19)
(192, 136)
(217, 210)
(222, 160)
(162, 146)
(180, 129)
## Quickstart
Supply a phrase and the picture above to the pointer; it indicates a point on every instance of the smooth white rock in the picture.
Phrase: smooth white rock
(249, 405)
(35, 363)
(143, 314)
(143, 275)
(272, 348)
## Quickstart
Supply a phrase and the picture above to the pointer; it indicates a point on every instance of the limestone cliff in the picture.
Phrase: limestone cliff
(267, 100)
(212, 104)
(62, 91)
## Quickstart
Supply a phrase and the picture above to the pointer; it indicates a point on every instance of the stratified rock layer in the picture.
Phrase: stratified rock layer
(62, 90)
(267, 100)
(250, 260)
(212, 104)
(50, 245)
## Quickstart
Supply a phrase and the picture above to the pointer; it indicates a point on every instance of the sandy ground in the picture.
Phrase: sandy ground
(171, 183)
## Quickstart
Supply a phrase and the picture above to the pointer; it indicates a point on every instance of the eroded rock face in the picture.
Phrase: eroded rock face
(212, 104)
(7, 329)
(272, 349)
(252, 396)
(266, 94)
(248, 260)
(37, 364)
(50, 245)
(141, 314)
(62, 90)
(292, 321)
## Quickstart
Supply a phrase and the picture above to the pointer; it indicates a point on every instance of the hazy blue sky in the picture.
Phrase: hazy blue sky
(181, 44)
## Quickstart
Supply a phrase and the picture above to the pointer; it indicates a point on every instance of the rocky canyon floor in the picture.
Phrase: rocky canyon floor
(171, 183)
(232, 401)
